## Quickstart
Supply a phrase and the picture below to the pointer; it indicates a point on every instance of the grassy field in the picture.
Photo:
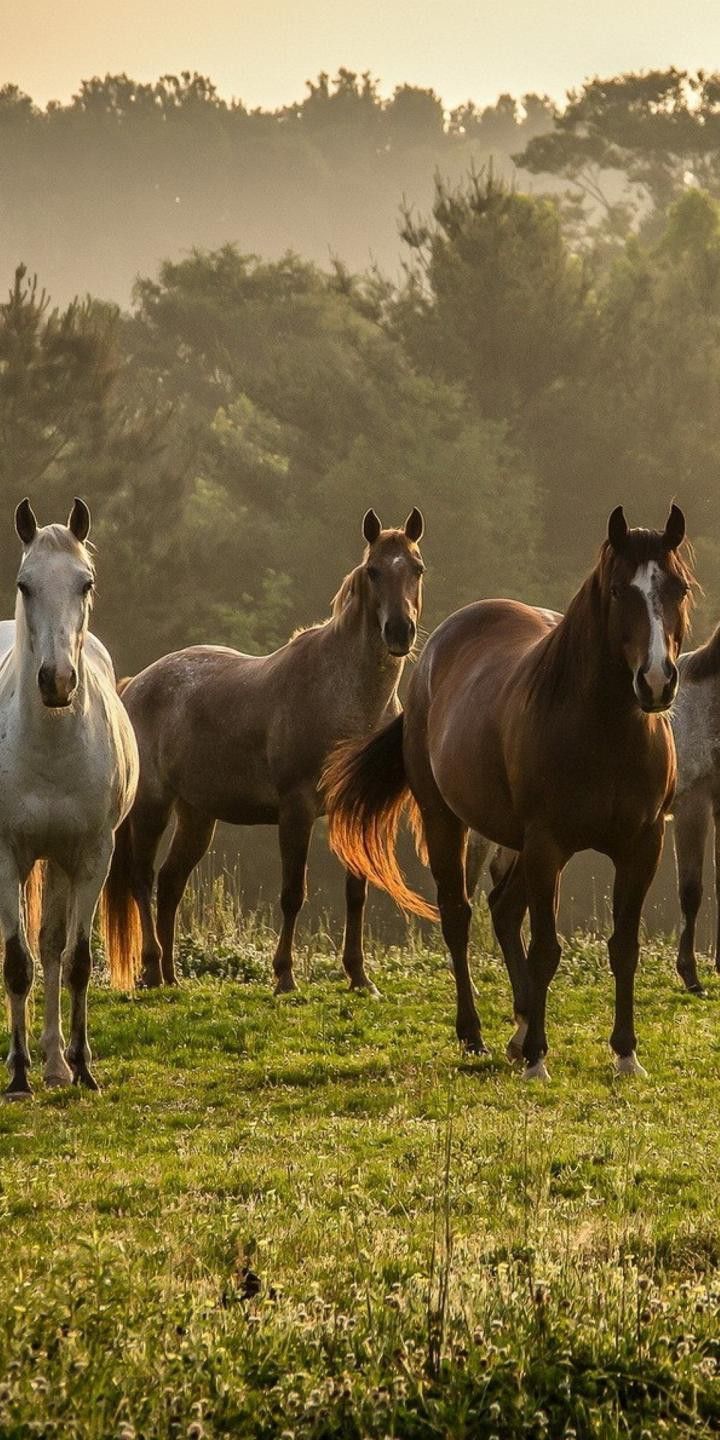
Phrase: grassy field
(312, 1217)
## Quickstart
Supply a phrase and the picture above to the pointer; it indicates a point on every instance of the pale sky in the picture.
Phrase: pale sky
(263, 51)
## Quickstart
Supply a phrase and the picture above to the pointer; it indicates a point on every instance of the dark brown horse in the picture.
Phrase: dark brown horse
(244, 738)
(546, 737)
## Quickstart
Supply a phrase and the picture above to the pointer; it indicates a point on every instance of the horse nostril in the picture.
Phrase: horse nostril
(399, 636)
(57, 688)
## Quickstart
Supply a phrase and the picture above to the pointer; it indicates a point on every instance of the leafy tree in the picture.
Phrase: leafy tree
(185, 167)
(56, 371)
(494, 297)
(307, 411)
(658, 129)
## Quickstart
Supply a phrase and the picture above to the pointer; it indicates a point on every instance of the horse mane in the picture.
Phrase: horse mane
(566, 659)
(345, 601)
(343, 606)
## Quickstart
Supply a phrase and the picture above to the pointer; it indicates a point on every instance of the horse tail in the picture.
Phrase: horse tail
(33, 904)
(366, 792)
(119, 915)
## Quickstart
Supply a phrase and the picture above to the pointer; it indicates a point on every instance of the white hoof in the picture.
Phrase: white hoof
(57, 1072)
(629, 1065)
(536, 1072)
(516, 1042)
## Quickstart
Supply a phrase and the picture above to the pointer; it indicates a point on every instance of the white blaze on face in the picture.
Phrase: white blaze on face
(647, 581)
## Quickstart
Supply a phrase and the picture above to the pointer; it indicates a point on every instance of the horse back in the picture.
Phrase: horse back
(223, 730)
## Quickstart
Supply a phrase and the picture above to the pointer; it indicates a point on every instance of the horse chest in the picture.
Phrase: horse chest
(59, 793)
(602, 794)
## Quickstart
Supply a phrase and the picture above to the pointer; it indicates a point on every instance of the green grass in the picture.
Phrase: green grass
(443, 1250)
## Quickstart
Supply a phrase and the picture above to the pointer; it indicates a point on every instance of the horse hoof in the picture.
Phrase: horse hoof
(629, 1065)
(538, 1071)
(698, 990)
(473, 1045)
(367, 987)
(285, 985)
(17, 1090)
(514, 1051)
(149, 980)
(58, 1075)
(86, 1080)
(691, 981)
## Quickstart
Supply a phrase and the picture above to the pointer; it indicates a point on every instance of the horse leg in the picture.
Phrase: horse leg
(508, 906)
(692, 818)
(147, 824)
(56, 1070)
(193, 834)
(18, 974)
(85, 886)
(478, 849)
(446, 839)
(633, 876)
(353, 957)
(297, 816)
(716, 821)
(543, 865)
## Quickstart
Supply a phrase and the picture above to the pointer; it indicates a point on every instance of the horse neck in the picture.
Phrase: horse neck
(582, 665)
(362, 656)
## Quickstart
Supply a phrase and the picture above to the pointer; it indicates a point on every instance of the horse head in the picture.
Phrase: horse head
(391, 573)
(647, 587)
(55, 586)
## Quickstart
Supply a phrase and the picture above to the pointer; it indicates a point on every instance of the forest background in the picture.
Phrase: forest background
(233, 330)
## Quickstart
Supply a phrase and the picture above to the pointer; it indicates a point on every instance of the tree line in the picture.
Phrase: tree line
(525, 373)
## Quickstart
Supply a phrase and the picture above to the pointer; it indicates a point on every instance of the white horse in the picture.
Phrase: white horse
(68, 775)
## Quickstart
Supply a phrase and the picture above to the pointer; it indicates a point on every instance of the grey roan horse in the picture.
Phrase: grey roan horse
(244, 739)
(696, 724)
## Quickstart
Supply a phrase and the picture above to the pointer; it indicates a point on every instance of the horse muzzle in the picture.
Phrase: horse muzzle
(654, 699)
(399, 636)
(57, 687)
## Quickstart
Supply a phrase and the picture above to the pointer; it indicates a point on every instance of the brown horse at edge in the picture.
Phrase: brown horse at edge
(244, 738)
(548, 738)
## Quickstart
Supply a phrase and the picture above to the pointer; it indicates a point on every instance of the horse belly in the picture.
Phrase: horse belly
(469, 772)
(237, 790)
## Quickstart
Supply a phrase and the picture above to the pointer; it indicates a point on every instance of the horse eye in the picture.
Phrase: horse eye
(419, 570)
(615, 592)
(24, 589)
(373, 572)
(87, 587)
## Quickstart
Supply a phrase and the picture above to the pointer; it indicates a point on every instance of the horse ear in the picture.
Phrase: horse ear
(414, 525)
(79, 520)
(371, 526)
(25, 522)
(675, 528)
(617, 528)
